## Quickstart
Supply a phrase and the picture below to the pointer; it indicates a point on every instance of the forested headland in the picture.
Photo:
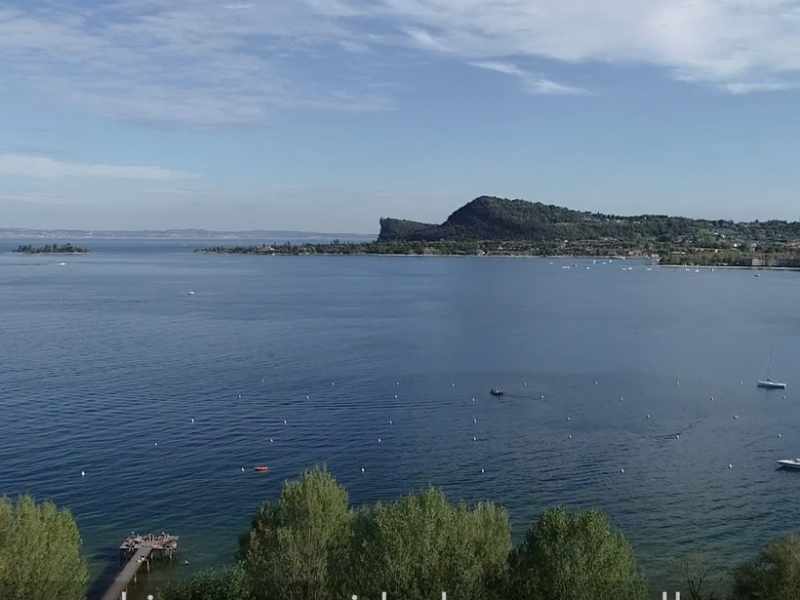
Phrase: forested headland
(490, 226)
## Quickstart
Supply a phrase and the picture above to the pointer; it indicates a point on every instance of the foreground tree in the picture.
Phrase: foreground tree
(773, 575)
(40, 556)
(422, 545)
(575, 556)
(209, 585)
(293, 543)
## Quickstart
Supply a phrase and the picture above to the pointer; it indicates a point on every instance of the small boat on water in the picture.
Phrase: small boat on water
(262, 469)
(496, 392)
(768, 384)
(789, 463)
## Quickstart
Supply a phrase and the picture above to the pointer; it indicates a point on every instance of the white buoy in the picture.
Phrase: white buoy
(155, 444)
(474, 438)
(474, 420)
(395, 396)
(649, 416)
(569, 418)
(308, 397)
(780, 436)
(363, 469)
(242, 469)
(192, 419)
(570, 436)
(271, 441)
(83, 473)
(483, 470)
(621, 470)
(285, 422)
(380, 440)
(730, 467)
(390, 421)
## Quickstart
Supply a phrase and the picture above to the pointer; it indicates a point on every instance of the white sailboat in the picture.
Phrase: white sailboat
(768, 383)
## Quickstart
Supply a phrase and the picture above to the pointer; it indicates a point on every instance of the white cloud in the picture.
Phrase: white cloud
(203, 62)
(533, 84)
(43, 167)
(750, 87)
(726, 43)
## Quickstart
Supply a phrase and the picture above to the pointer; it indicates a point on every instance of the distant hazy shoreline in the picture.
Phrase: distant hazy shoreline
(177, 234)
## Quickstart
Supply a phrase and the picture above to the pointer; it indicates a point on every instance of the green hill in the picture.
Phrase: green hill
(491, 218)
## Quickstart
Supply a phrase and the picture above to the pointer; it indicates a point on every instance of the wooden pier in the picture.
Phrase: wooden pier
(136, 551)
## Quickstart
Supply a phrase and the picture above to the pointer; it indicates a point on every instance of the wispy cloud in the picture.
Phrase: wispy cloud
(228, 63)
(751, 87)
(199, 63)
(724, 43)
(533, 84)
(44, 167)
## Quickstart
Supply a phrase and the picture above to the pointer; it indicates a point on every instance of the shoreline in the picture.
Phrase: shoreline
(616, 258)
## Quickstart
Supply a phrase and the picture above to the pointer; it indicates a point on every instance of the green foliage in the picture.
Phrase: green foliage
(210, 585)
(702, 581)
(40, 556)
(422, 545)
(497, 226)
(575, 556)
(773, 575)
(491, 218)
(67, 248)
(294, 542)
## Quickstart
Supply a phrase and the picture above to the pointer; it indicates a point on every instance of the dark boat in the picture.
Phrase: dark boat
(261, 469)
(495, 392)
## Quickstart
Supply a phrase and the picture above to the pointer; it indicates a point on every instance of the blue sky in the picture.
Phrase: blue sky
(327, 114)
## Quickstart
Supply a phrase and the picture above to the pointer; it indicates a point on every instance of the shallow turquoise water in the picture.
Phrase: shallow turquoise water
(108, 355)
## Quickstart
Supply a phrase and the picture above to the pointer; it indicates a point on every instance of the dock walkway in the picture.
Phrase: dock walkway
(136, 551)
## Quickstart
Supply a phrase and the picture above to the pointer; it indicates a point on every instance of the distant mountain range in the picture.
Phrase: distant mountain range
(492, 218)
(179, 234)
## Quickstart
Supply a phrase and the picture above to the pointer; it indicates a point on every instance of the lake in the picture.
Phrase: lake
(109, 365)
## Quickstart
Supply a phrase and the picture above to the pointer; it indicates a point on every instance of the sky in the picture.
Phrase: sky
(325, 115)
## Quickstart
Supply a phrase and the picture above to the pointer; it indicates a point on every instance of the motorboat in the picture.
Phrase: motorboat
(496, 392)
(789, 463)
(768, 384)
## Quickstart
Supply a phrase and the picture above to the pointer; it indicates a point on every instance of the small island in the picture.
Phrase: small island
(67, 248)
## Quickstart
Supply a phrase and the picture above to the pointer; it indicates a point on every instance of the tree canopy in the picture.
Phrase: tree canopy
(293, 543)
(773, 575)
(40, 552)
(575, 556)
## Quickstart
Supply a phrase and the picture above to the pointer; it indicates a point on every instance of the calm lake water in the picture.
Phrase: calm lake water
(105, 361)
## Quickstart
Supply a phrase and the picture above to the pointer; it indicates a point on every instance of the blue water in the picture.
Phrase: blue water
(105, 361)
